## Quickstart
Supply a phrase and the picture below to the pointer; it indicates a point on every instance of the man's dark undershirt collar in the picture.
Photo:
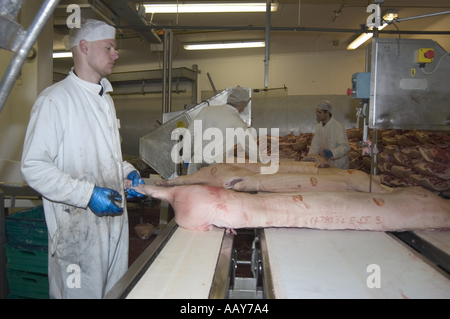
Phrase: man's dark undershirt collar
(101, 91)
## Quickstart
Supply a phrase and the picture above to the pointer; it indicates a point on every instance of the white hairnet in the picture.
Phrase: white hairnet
(324, 105)
(90, 30)
(238, 95)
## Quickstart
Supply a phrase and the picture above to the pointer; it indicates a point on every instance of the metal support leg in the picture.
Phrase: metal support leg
(141, 207)
(163, 217)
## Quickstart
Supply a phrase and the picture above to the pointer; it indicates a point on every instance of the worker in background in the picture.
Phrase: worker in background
(330, 138)
(72, 156)
(220, 117)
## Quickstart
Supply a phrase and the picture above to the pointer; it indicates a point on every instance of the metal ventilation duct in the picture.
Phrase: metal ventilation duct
(126, 10)
(114, 12)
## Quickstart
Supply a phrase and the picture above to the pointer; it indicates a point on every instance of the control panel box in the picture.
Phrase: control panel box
(424, 55)
(360, 86)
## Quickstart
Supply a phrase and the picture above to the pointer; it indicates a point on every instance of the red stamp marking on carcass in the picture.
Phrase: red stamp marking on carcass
(351, 171)
(379, 201)
(297, 198)
(313, 181)
(362, 220)
(213, 170)
(322, 219)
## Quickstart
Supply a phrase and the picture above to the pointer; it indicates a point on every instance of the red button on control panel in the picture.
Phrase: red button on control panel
(429, 54)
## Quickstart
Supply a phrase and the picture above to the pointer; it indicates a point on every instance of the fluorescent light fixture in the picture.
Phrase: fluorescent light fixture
(361, 39)
(389, 16)
(224, 45)
(58, 55)
(208, 7)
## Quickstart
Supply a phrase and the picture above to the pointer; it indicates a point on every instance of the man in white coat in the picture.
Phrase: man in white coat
(330, 138)
(72, 157)
(214, 120)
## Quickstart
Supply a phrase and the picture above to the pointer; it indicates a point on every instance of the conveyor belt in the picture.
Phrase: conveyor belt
(334, 264)
(439, 239)
(433, 245)
(184, 269)
(296, 263)
(179, 264)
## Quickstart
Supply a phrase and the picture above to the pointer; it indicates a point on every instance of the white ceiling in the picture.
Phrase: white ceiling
(329, 14)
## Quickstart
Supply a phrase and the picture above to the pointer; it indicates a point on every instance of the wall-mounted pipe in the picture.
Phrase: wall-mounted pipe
(296, 29)
(418, 17)
(169, 71)
(164, 83)
(267, 58)
(146, 92)
(212, 83)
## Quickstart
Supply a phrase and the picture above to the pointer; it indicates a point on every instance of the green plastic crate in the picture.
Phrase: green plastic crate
(27, 260)
(26, 230)
(28, 285)
(15, 297)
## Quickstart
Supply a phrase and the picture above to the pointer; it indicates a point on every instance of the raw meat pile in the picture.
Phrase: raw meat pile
(415, 158)
(405, 157)
(295, 148)
(291, 147)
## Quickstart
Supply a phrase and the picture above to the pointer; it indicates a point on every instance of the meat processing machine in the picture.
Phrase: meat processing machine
(404, 87)
(408, 85)
(155, 147)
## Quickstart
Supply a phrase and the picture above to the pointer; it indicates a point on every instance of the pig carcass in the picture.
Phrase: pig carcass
(199, 208)
(242, 179)
(356, 180)
(219, 174)
(332, 180)
(280, 167)
(215, 175)
(287, 183)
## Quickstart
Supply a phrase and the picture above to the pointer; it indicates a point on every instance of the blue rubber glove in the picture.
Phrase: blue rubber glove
(186, 165)
(102, 202)
(327, 153)
(136, 178)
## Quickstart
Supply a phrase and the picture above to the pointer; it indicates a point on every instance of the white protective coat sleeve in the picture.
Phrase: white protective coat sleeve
(331, 136)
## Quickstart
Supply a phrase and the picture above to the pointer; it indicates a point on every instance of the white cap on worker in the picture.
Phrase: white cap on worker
(324, 105)
(238, 95)
(90, 30)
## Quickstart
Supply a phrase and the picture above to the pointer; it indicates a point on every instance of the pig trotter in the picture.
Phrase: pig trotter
(231, 230)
